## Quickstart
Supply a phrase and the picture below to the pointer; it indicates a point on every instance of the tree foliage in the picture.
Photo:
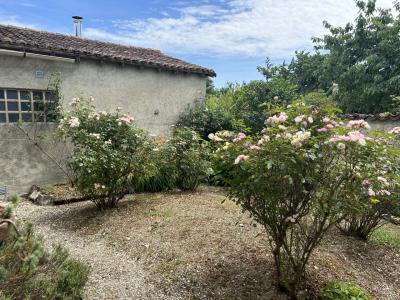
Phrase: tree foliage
(357, 64)
(364, 59)
(238, 107)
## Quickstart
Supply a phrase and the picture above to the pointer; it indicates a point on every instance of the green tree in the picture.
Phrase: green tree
(210, 87)
(364, 59)
(255, 97)
(308, 71)
(304, 74)
(356, 64)
(239, 107)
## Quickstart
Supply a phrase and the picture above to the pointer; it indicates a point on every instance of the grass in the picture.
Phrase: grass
(387, 235)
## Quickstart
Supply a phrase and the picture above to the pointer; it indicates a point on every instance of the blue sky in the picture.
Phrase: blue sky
(231, 36)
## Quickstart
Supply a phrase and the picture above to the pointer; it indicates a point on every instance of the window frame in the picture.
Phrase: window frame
(32, 115)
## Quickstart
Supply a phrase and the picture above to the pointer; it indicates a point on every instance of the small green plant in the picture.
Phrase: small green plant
(343, 291)
(10, 208)
(27, 271)
(8, 211)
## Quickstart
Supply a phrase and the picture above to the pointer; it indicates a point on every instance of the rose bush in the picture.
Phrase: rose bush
(112, 157)
(189, 158)
(179, 162)
(159, 172)
(108, 151)
(296, 179)
(376, 188)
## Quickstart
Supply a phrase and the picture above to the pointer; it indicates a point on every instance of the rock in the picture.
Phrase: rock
(44, 200)
(33, 189)
(34, 195)
(37, 197)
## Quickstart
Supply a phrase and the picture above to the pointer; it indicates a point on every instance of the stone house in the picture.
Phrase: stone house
(150, 85)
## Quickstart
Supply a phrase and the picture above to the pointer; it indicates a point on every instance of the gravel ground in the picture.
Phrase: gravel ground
(114, 275)
(192, 246)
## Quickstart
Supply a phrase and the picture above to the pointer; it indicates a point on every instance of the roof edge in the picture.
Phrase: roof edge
(62, 52)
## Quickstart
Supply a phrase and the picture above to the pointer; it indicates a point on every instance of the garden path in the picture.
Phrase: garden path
(114, 275)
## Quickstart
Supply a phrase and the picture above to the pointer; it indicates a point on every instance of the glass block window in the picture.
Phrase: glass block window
(21, 105)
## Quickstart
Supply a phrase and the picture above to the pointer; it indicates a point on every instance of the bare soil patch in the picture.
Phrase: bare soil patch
(193, 246)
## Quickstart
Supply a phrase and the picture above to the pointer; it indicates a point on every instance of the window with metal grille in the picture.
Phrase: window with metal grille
(21, 105)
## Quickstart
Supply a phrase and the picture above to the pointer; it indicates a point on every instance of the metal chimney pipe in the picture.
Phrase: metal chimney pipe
(77, 25)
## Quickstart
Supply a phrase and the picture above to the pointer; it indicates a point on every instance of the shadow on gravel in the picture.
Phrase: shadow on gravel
(238, 279)
(83, 216)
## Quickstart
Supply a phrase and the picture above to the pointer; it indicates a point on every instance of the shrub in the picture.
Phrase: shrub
(205, 119)
(238, 107)
(108, 151)
(159, 172)
(189, 159)
(180, 162)
(253, 99)
(27, 271)
(343, 291)
(295, 180)
(377, 189)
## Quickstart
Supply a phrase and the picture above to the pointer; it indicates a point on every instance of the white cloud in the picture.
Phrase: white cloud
(202, 10)
(28, 4)
(14, 20)
(239, 27)
(235, 27)
(248, 28)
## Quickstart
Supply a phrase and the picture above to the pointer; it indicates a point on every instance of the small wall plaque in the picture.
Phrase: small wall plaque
(39, 74)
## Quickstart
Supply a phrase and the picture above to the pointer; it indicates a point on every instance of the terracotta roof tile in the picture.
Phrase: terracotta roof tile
(378, 117)
(33, 40)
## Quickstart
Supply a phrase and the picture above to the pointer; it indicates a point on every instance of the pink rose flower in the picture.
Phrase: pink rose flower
(358, 124)
(384, 193)
(371, 192)
(395, 130)
(365, 182)
(240, 136)
(241, 158)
